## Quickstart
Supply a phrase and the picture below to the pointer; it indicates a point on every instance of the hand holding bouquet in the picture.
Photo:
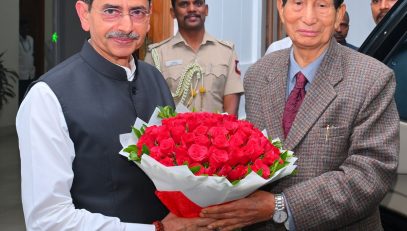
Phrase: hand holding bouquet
(200, 159)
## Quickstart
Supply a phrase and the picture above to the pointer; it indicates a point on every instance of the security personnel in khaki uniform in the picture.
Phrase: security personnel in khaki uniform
(201, 71)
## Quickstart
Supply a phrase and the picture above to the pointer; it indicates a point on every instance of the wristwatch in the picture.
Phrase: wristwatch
(280, 212)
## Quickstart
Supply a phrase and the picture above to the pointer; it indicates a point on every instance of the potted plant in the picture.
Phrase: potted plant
(7, 77)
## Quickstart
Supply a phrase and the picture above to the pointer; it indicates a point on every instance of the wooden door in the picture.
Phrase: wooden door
(162, 25)
(274, 27)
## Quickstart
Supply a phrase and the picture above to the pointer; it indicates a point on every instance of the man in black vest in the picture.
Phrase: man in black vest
(69, 126)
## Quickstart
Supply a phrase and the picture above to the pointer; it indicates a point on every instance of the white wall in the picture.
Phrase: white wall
(9, 24)
(361, 21)
(239, 21)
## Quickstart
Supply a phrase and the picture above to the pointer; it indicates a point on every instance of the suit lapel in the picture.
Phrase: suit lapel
(318, 97)
(273, 95)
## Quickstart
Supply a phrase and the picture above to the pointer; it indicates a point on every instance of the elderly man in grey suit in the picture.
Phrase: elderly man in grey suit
(334, 108)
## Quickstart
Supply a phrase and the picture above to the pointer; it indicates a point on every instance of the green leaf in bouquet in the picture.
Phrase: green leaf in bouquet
(260, 172)
(143, 129)
(145, 150)
(137, 132)
(277, 143)
(277, 165)
(273, 167)
(166, 112)
(134, 156)
(195, 169)
(235, 182)
(284, 156)
(280, 166)
(131, 148)
(249, 170)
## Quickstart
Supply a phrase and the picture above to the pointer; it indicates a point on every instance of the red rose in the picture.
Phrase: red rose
(155, 153)
(253, 147)
(231, 126)
(177, 132)
(201, 170)
(210, 171)
(237, 156)
(198, 153)
(259, 165)
(167, 146)
(167, 161)
(217, 157)
(188, 139)
(152, 131)
(192, 124)
(144, 141)
(202, 140)
(237, 140)
(201, 130)
(217, 131)
(246, 127)
(225, 170)
(237, 173)
(220, 141)
(271, 156)
(181, 155)
(163, 133)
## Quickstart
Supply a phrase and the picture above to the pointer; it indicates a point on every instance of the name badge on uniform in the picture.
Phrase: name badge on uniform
(173, 63)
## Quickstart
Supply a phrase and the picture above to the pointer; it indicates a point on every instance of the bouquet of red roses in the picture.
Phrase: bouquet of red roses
(200, 159)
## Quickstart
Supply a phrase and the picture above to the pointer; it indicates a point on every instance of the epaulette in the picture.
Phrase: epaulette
(227, 43)
(155, 45)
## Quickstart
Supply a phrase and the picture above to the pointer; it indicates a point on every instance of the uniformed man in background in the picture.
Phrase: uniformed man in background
(201, 71)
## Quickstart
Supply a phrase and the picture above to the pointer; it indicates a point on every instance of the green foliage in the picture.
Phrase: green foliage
(235, 182)
(195, 169)
(277, 165)
(140, 132)
(133, 150)
(166, 112)
(6, 78)
(277, 143)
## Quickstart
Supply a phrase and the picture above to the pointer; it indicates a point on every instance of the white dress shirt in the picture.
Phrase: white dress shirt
(279, 45)
(47, 153)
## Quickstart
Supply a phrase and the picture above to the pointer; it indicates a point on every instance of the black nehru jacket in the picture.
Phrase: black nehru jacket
(99, 104)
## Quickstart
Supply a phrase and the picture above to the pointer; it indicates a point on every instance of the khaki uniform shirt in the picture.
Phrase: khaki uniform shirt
(213, 69)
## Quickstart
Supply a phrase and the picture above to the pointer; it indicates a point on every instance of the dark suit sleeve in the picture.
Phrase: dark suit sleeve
(352, 193)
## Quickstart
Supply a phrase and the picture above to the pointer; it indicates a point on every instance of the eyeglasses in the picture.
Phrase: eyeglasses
(113, 15)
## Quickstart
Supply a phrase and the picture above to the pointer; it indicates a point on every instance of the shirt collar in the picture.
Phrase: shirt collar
(129, 71)
(309, 71)
(179, 39)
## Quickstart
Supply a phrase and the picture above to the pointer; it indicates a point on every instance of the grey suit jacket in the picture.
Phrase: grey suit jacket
(344, 171)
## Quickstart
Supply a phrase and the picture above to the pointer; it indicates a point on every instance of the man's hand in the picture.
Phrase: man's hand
(173, 223)
(255, 208)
